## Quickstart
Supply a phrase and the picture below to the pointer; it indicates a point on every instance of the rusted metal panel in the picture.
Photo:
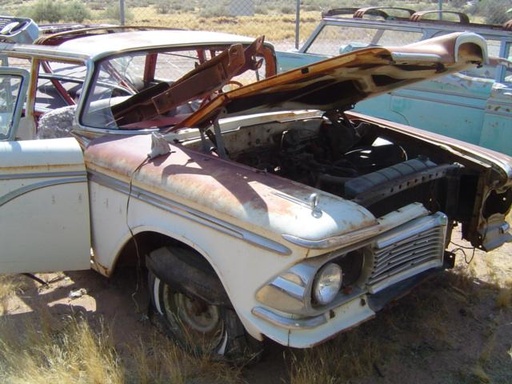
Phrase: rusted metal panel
(340, 82)
(231, 191)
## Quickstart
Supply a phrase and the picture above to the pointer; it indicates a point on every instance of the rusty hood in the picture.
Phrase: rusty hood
(342, 81)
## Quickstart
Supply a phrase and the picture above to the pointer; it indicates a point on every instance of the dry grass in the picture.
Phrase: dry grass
(504, 298)
(159, 360)
(276, 27)
(48, 346)
(357, 353)
(35, 353)
(81, 353)
(9, 286)
(271, 20)
(485, 280)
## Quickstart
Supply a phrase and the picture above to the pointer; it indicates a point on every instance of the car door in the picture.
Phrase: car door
(497, 127)
(44, 203)
(451, 105)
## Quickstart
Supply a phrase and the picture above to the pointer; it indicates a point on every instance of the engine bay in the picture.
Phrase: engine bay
(354, 161)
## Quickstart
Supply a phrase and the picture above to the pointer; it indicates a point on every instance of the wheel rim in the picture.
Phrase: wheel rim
(194, 322)
(197, 314)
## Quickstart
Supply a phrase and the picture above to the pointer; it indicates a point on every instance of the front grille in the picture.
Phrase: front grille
(406, 251)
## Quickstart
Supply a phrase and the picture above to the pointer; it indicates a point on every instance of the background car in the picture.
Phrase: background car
(472, 105)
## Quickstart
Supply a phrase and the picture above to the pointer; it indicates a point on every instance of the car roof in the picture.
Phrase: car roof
(103, 42)
(112, 43)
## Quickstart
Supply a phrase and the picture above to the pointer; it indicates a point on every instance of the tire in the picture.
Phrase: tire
(199, 327)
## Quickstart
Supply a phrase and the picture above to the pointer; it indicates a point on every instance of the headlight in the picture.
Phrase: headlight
(327, 283)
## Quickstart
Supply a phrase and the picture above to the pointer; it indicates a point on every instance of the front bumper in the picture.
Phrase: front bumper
(388, 266)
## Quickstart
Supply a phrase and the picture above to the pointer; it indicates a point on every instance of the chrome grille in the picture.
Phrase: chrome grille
(406, 251)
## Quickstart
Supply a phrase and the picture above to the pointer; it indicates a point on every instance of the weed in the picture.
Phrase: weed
(9, 286)
(357, 354)
(504, 298)
(38, 354)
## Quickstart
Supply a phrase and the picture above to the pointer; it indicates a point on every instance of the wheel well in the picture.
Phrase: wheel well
(188, 272)
(134, 251)
(185, 258)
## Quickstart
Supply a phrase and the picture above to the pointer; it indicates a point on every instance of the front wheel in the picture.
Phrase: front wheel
(199, 327)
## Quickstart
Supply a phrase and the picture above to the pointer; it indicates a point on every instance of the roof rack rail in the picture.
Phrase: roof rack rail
(387, 13)
(339, 11)
(407, 14)
(397, 13)
(57, 38)
(420, 16)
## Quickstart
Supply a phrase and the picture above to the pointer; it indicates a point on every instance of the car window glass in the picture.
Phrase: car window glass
(507, 76)
(59, 85)
(10, 86)
(117, 79)
(171, 66)
(333, 40)
(493, 47)
(393, 37)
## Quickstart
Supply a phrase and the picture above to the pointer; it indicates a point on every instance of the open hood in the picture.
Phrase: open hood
(340, 82)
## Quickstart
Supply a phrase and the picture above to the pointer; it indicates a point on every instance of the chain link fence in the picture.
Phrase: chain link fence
(287, 23)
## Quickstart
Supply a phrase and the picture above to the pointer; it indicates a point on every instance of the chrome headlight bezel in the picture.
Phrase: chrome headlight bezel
(327, 284)
(292, 291)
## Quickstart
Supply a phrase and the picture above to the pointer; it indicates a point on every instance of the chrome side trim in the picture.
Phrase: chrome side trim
(383, 224)
(189, 213)
(46, 175)
(292, 288)
(289, 323)
(35, 186)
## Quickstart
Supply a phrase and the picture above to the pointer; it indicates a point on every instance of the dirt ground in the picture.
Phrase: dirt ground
(457, 328)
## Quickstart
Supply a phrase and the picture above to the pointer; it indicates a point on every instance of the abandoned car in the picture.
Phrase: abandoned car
(259, 204)
(472, 105)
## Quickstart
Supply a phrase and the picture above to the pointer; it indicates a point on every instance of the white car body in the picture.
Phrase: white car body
(256, 235)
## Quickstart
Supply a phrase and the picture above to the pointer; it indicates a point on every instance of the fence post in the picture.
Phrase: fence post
(297, 24)
(121, 12)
